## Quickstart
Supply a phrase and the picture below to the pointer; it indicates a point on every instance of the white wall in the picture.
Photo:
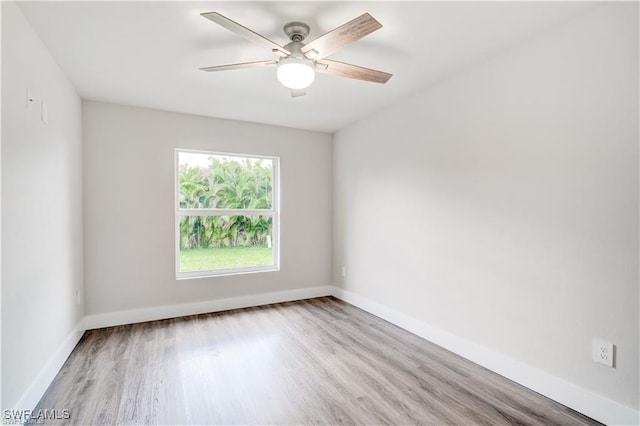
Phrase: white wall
(41, 209)
(0, 216)
(129, 206)
(501, 205)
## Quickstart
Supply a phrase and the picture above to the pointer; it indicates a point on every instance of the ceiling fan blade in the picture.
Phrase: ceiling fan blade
(245, 32)
(298, 92)
(352, 71)
(240, 66)
(342, 36)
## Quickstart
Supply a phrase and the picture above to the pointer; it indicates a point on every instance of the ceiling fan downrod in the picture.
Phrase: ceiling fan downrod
(296, 31)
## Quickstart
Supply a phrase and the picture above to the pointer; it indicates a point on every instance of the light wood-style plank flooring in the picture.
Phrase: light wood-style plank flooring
(316, 361)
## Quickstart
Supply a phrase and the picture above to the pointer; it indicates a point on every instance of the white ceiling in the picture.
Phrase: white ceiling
(148, 53)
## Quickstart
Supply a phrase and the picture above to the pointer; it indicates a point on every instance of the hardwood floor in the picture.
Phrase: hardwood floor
(317, 361)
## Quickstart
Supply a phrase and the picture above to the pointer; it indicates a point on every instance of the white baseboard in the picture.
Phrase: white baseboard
(172, 311)
(582, 400)
(34, 392)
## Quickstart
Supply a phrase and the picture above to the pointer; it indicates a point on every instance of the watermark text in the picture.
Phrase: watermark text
(18, 417)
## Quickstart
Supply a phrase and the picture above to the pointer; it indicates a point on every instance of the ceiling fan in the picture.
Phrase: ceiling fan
(299, 61)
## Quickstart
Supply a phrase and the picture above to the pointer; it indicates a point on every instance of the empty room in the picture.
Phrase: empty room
(291, 213)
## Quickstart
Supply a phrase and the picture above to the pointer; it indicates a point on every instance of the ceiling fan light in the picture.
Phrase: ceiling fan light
(295, 73)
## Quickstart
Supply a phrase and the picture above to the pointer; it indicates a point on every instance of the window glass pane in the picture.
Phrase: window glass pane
(208, 243)
(224, 182)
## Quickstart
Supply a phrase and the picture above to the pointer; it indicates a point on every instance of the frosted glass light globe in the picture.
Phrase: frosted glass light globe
(295, 73)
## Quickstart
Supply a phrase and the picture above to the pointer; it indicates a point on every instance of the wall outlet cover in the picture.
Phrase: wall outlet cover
(603, 352)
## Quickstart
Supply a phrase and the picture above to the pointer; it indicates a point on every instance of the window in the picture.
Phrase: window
(226, 213)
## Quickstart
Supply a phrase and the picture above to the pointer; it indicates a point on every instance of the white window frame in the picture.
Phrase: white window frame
(274, 212)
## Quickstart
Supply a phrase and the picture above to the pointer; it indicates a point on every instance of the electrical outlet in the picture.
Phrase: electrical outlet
(344, 272)
(603, 352)
(78, 300)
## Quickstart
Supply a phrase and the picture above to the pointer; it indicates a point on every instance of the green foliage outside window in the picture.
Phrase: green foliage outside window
(226, 183)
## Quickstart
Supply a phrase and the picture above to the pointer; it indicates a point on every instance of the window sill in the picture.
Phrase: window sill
(224, 272)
